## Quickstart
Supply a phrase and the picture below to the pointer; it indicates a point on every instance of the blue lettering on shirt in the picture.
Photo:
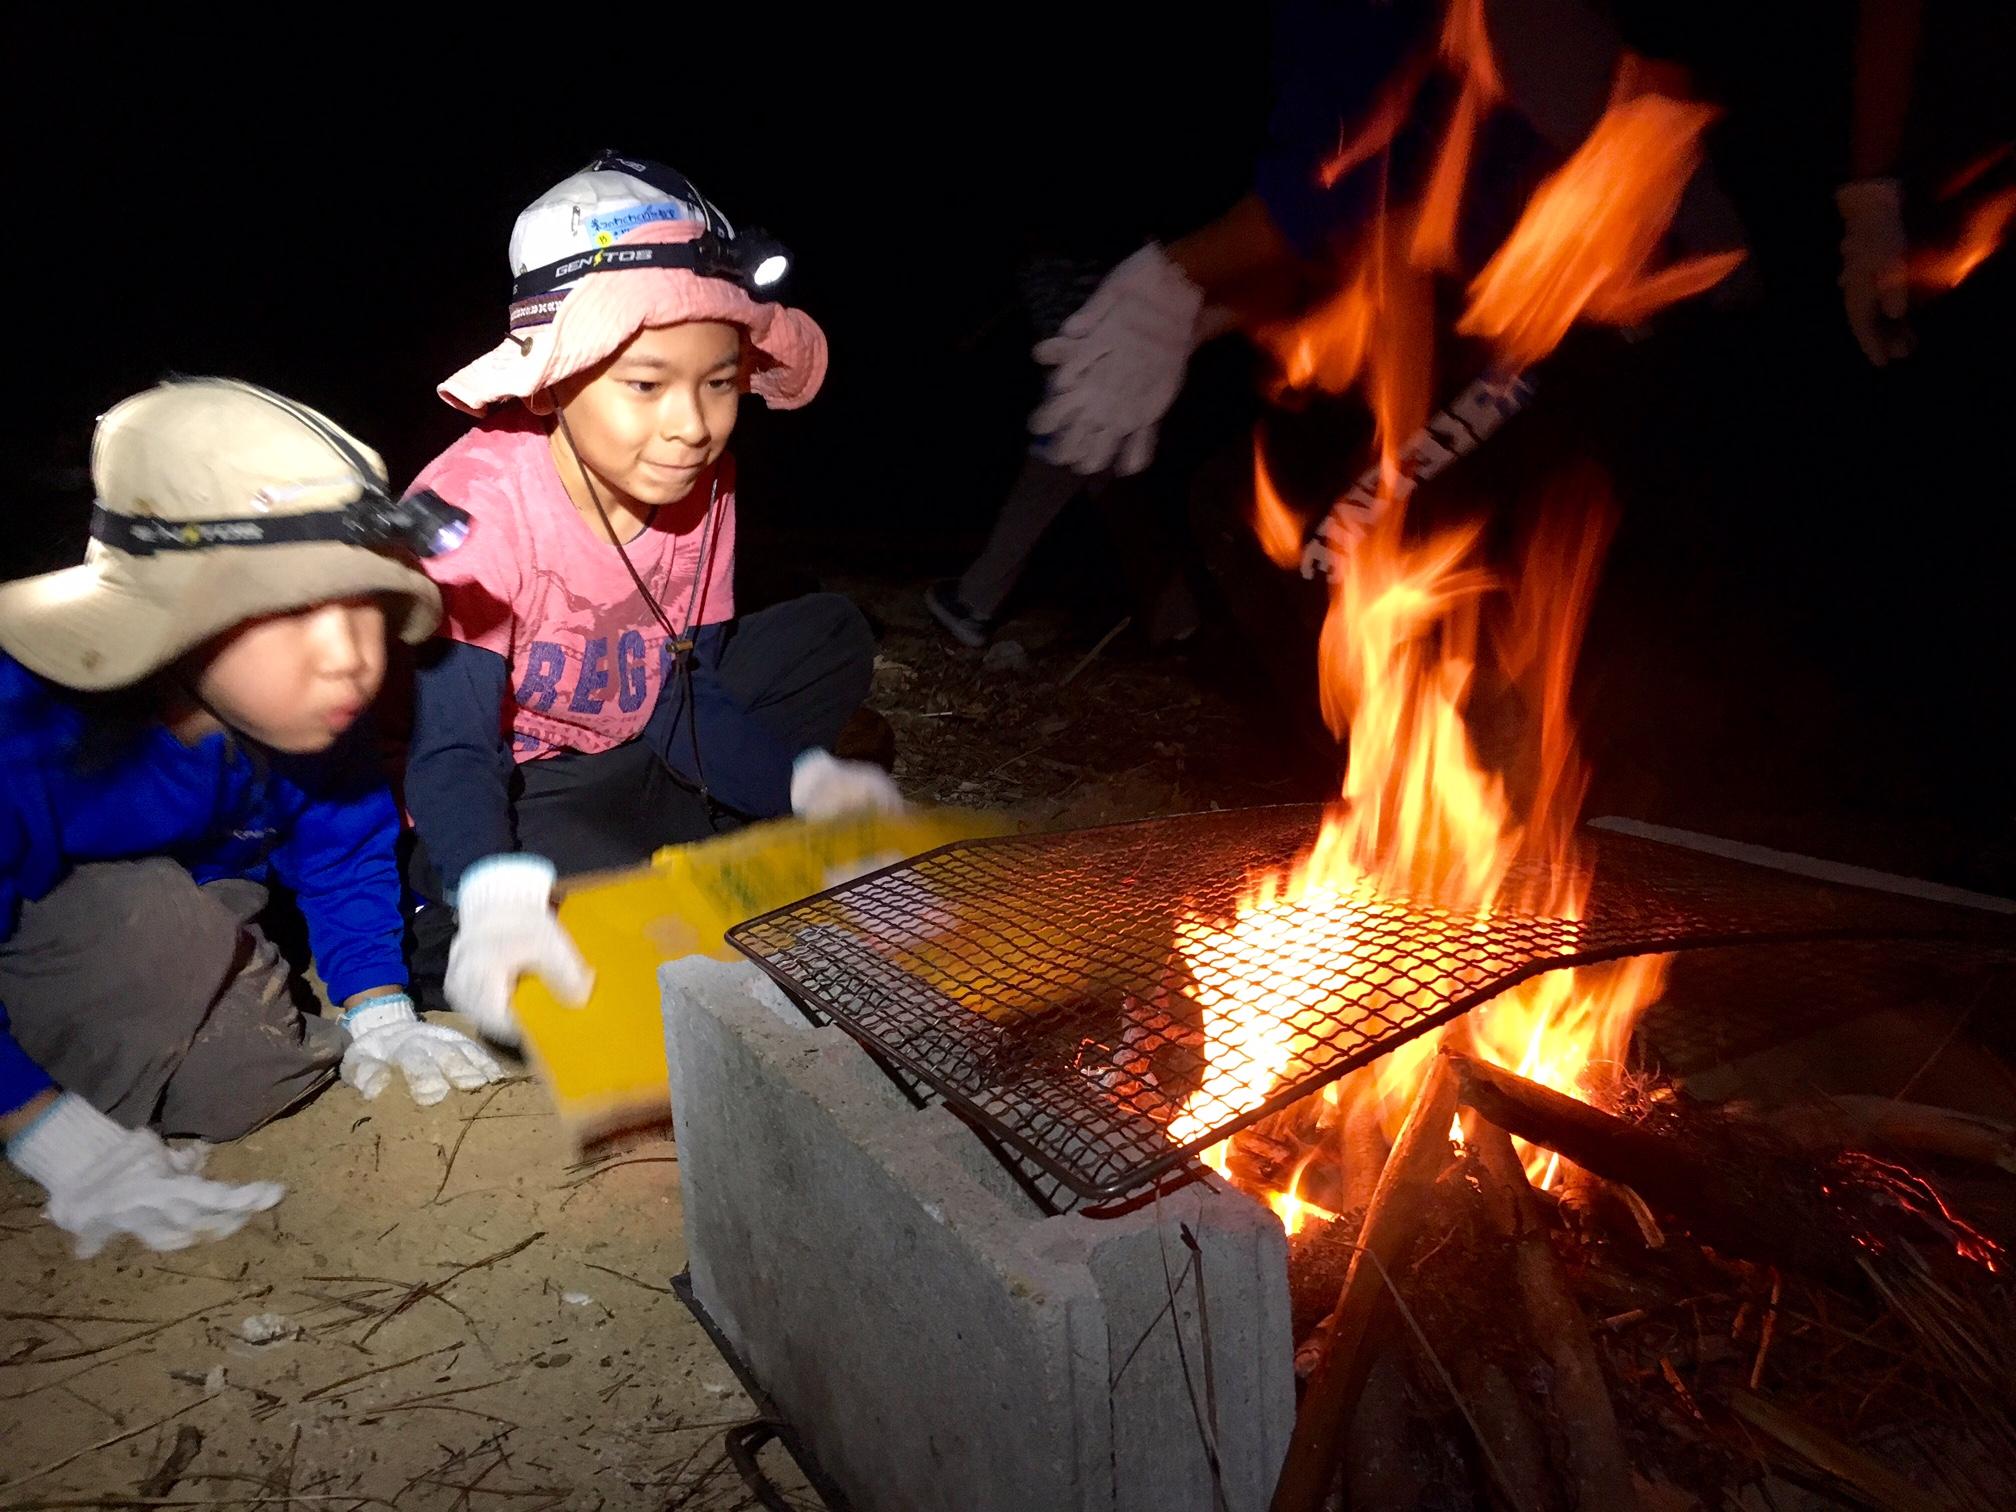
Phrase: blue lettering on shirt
(590, 690)
(630, 679)
(542, 677)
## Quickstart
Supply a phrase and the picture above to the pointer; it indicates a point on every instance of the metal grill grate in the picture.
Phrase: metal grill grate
(1063, 989)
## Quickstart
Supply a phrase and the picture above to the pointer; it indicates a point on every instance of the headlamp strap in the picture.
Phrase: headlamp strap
(139, 535)
(535, 299)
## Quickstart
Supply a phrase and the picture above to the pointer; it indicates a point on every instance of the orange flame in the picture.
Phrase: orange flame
(1376, 331)
(1581, 248)
(1278, 527)
(1986, 228)
(1417, 627)
(1466, 48)
(1382, 122)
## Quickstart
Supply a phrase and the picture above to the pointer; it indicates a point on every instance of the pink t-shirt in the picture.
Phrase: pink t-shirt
(534, 583)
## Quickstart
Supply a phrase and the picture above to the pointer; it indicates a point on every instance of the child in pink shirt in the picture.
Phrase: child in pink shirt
(594, 696)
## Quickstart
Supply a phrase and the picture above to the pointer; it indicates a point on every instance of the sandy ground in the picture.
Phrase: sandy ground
(563, 1374)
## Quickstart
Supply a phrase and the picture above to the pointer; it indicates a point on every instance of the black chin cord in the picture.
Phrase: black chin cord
(680, 641)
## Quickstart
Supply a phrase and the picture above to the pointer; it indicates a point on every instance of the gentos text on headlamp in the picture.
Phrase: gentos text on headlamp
(754, 262)
(422, 524)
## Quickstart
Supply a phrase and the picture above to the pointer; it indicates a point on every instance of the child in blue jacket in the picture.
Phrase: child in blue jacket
(176, 719)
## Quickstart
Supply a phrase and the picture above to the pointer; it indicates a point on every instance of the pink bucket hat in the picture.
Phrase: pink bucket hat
(622, 245)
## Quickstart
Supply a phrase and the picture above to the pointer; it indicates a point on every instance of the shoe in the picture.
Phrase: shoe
(961, 623)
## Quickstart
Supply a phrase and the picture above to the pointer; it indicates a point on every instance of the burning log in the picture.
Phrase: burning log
(1599, 1471)
(1393, 1220)
(1671, 1177)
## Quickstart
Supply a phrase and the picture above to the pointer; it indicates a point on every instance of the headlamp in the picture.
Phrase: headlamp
(754, 262)
(422, 524)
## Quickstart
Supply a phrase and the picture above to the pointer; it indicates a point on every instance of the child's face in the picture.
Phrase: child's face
(651, 420)
(294, 682)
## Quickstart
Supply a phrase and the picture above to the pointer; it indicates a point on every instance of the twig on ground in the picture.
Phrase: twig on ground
(468, 1124)
(617, 1164)
(433, 1288)
(104, 1443)
(15, 1396)
(633, 1280)
(148, 1333)
(321, 1391)
(1090, 656)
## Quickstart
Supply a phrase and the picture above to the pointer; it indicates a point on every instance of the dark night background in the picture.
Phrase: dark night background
(1804, 634)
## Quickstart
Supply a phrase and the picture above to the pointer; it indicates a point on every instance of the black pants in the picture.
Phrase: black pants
(800, 668)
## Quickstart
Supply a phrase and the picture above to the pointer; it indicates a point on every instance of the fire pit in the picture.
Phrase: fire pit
(935, 1302)
(1397, 1033)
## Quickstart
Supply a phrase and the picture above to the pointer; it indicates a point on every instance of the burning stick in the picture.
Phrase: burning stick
(1668, 1175)
(1599, 1470)
(1392, 1221)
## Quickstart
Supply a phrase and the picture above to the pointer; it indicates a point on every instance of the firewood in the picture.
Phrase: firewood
(1506, 1429)
(1392, 1223)
(1673, 1178)
(1599, 1470)
(1878, 1483)
(1914, 1128)
(1382, 1468)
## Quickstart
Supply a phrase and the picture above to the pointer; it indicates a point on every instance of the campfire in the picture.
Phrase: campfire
(1529, 1269)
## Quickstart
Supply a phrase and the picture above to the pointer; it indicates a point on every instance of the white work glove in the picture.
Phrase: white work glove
(104, 1180)
(505, 926)
(822, 785)
(1117, 365)
(387, 1035)
(1873, 280)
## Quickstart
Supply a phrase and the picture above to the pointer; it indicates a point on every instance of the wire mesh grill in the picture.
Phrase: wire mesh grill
(1089, 998)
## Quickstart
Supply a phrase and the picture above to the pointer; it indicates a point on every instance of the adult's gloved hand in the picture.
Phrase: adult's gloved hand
(104, 1180)
(387, 1035)
(1118, 364)
(1873, 281)
(505, 927)
(822, 785)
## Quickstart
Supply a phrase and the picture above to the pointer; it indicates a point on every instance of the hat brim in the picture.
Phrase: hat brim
(606, 309)
(105, 625)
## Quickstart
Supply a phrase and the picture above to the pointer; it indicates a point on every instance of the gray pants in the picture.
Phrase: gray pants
(161, 1003)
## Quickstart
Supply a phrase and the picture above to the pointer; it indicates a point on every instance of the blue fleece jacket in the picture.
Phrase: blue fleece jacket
(79, 790)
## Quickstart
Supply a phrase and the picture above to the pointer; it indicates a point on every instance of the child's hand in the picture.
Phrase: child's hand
(386, 1034)
(822, 785)
(104, 1180)
(506, 927)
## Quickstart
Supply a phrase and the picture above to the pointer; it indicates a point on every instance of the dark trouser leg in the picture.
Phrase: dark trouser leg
(1040, 492)
(160, 1002)
(801, 668)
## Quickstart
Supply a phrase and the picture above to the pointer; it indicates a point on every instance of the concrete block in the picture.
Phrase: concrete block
(936, 1339)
